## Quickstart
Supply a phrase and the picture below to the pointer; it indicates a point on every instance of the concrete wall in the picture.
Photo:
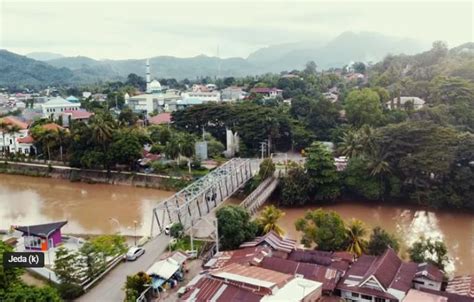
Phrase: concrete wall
(92, 176)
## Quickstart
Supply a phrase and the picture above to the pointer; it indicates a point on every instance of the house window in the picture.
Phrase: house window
(11, 141)
(356, 295)
(379, 300)
(32, 242)
(366, 297)
(419, 282)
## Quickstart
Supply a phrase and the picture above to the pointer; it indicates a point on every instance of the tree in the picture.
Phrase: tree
(325, 228)
(380, 240)
(135, 285)
(363, 107)
(176, 230)
(359, 67)
(125, 148)
(295, 188)
(234, 226)
(429, 250)
(127, 117)
(23, 292)
(94, 260)
(8, 275)
(68, 267)
(310, 68)
(356, 232)
(109, 245)
(268, 219)
(359, 181)
(322, 173)
(267, 169)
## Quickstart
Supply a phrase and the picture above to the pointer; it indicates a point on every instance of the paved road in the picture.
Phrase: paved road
(110, 288)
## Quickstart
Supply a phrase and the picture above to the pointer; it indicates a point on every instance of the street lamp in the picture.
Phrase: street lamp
(115, 220)
(135, 235)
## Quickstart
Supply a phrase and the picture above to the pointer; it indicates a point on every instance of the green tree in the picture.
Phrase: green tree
(234, 226)
(380, 240)
(268, 219)
(322, 173)
(125, 148)
(358, 180)
(109, 245)
(428, 250)
(363, 107)
(135, 285)
(10, 275)
(94, 260)
(295, 188)
(68, 266)
(176, 230)
(356, 232)
(325, 228)
(267, 169)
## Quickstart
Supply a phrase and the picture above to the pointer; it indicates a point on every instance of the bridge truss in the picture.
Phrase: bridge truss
(199, 198)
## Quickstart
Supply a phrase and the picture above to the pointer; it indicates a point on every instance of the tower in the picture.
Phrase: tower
(148, 76)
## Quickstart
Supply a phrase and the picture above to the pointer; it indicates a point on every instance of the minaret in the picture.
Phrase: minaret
(148, 76)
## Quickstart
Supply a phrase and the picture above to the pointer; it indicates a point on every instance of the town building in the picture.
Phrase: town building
(75, 116)
(406, 102)
(203, 96)
(42, 236)
(233, 93)
(385, 278)
(72, 99)
(281, 247)
(267, 92)
(9, 142)
(160, 119)
(55, 107)
(462, 285)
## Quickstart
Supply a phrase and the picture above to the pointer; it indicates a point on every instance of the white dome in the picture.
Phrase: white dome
(155, 85)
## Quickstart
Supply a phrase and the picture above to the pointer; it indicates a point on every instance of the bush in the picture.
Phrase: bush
(70, 291)
(176, 230)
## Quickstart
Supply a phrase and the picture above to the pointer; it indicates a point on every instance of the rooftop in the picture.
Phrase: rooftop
(79, 114)
(41, 230)
(13, 121)
(161, 118)
(274, 240)
(462, 285)
(295, 290)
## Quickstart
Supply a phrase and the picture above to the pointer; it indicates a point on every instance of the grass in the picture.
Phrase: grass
(184, 244)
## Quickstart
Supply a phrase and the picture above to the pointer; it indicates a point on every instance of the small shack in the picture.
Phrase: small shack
(165, 274)
(42, 236)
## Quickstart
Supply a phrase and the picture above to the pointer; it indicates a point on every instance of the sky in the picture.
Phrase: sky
(140, 29)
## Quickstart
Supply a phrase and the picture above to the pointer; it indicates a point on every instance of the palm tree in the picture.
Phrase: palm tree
(350, 145)
(102, 129)
(355, 233)
(379, 166)
(268, 219)
(47, 138)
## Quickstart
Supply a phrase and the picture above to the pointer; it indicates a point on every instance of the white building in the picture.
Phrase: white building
(233, 93)
(205, 97)
(9, 141)
(403, 102)
(56, 106)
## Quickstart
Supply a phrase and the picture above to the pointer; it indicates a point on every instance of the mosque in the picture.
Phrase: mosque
(152, 87)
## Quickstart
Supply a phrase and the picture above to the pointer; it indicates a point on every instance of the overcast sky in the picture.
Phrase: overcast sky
(137, 29)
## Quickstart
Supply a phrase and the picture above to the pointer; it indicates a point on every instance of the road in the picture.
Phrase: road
(110, 287)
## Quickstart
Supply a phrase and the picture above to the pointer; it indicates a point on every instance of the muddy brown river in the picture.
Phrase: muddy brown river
(99, 209)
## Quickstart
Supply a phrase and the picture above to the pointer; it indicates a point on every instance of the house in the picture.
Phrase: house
(204, 96)
(428, 276)
(336, 260)
(451, 297)
(42, 236)
(406, 102)
(382, 278)
(328, 277)
(9, 140)
(462, 285)
(245, 256)
(160, 118)
(354, 76)
(75, 115)
(330, 96)
(233, 93)
(56, 106)
(280, 246)
(165, 271)
(267, 92)
(417, 296)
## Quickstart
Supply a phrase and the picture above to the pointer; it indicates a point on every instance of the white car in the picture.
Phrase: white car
(134, 252)
(168, 229)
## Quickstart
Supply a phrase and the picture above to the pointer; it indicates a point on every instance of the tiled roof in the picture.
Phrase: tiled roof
(273, 240)
(309, 256)
(429, 271)
(384, 268)
(52, 127)
(161, 118)
(417, 296)
(242, 256)
(11, 120)
(79, 114)
(462, 285)
(327, 276)
(26, 140)
(451, 297)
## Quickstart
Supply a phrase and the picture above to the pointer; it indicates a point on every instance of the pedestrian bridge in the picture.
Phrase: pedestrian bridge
(260, 195)
(198, 199)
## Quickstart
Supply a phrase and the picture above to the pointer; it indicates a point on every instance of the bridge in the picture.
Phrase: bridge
(260, 195)
(199, 198)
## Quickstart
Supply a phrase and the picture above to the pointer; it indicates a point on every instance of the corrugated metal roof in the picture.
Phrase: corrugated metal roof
(274, 240)
(462, 285)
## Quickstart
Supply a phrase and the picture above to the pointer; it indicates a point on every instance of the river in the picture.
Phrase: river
(102, 209)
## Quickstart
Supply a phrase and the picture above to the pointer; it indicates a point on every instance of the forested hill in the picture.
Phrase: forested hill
(20, 70)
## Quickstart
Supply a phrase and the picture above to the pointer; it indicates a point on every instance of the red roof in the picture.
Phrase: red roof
(26, 140)
(52, 127)
(161, 118)
(244, 256)
(79, 114)
(462, 285)
(430, 271)
(11, 120)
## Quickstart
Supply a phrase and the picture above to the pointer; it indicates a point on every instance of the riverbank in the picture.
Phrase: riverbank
(155, 181)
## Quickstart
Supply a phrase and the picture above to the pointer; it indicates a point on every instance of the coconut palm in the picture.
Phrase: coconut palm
(102, 128)
(356, 233)
(268, 219)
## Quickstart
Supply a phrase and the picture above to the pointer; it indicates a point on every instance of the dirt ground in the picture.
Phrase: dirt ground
(194, 268)
(31, 279)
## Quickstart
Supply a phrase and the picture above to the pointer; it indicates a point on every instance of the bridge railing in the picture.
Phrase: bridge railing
(199, 198)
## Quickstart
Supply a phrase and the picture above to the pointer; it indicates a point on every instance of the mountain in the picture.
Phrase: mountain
(44, 56)
(337, 52)
(21, 70)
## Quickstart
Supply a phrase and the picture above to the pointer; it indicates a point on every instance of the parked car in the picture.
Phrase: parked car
(134, 252)
(168, 229)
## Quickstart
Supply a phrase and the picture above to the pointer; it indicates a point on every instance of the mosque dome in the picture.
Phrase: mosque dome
(155, 86)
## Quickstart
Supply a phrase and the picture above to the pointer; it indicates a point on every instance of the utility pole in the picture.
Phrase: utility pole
(217, 237)
(263, 148)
